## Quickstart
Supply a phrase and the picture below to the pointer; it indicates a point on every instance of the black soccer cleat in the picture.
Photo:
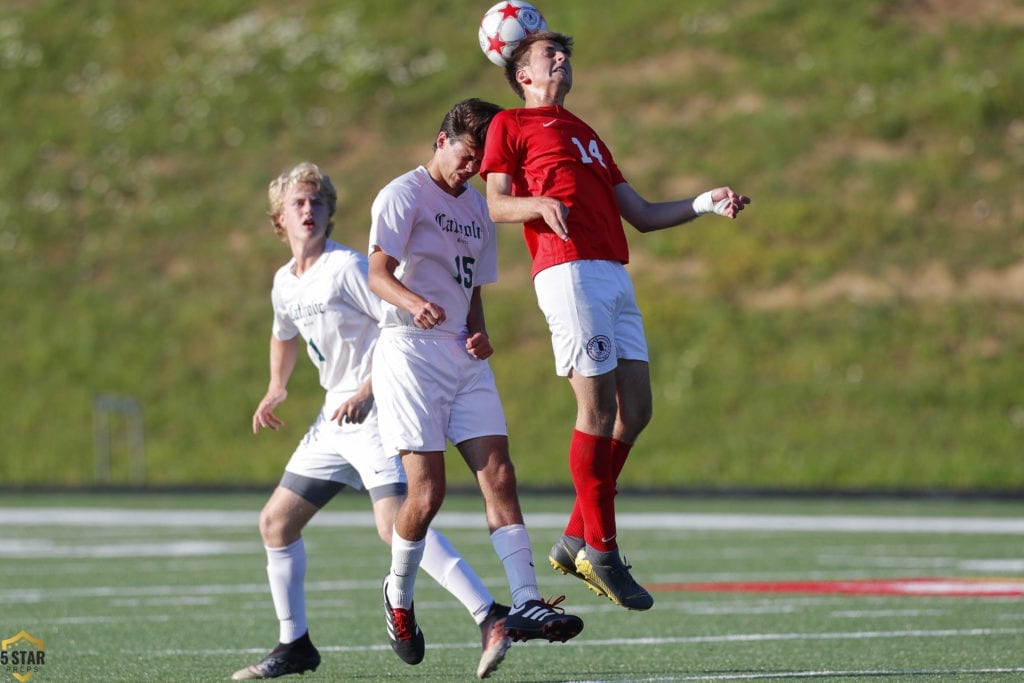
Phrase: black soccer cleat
(606, 574)
(403, 631)
(494, 640)
(291, 658)
(542, 619)
(563, 555)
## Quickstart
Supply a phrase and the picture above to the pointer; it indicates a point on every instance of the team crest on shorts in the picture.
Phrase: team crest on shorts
(599, 348)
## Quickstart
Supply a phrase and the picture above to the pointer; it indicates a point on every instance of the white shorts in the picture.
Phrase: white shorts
(591, 311)
(429, 391)
(350, 454)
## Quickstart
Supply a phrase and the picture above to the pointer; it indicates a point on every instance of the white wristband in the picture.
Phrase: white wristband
(703, 203)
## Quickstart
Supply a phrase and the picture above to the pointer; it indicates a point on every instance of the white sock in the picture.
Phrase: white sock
(406, 557)
(512, 543)
(442, 562)
(286, 570)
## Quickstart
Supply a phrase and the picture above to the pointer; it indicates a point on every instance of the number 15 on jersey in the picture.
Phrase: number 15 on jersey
(464, 271)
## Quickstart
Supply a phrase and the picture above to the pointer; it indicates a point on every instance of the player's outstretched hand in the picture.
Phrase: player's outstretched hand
(479, 346)
(356, 409)
(264, 415)
(722, 201)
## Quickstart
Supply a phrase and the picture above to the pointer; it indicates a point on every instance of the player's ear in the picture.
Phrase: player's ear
(522, 78)
(441, 139)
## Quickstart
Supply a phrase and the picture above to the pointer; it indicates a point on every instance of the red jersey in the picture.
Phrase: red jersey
(551, 152)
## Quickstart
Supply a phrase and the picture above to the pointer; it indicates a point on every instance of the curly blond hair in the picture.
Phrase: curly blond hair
(305, 173)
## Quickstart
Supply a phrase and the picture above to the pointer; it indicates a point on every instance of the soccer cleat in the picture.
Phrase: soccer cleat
(293, 658)
(563, 555)
(495, 640)
(542, 619)
(606, 574)
(403, 631)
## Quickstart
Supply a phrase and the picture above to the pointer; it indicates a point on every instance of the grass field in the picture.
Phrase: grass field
(172, 588)
(861, 326)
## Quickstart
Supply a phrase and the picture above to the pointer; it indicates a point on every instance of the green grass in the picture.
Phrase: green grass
(860, 326)
(163, 602)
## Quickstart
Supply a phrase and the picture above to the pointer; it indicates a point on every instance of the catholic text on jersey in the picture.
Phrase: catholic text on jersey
(452, 225)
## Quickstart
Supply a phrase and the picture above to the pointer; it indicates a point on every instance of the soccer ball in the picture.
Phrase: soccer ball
(504, 25)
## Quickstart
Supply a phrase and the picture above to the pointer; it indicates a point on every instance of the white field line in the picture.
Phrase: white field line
(655, 642)
(46, 549)
(122, 517)
(901, 674)
(35, 595)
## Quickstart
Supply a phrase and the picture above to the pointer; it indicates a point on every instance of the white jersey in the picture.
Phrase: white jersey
(332, 307)
(445, 245)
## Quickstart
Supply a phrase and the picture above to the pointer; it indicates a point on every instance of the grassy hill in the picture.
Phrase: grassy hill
(861, 325)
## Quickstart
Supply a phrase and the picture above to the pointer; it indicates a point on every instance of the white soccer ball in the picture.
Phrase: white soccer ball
(504, 25)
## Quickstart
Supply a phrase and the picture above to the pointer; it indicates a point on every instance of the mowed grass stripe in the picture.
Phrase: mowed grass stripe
(680, 640)
(120, 517)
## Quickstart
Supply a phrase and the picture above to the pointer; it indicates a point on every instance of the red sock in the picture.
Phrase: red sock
(590, 463)
(620, 452)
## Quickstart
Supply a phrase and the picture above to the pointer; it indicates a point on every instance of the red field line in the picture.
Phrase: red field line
(931, 587)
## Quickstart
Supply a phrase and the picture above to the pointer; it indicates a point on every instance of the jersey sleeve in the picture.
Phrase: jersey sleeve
(353, 283)
(614, 173)
(499, 152)
(392, 216)
(283, 328)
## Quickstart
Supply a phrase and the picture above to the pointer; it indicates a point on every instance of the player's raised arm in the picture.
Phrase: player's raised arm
(506, 208)
(648, 216)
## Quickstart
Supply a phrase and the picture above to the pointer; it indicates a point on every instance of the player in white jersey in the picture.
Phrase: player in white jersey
(322, 301)
(432, 246)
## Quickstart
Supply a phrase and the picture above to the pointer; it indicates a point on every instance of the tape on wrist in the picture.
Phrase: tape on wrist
(703, 203)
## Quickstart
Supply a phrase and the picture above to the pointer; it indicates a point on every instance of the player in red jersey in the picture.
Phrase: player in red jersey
(548, 169)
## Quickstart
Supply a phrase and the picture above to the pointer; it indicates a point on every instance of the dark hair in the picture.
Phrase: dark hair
(519, 55)
(468, 120)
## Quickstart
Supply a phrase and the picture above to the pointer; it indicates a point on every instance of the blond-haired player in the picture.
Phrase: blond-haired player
(322, 304)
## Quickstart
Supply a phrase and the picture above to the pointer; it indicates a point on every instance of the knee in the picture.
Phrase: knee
(634, 416)
(278, 530)
(608, 412)
(599, 417)
(272, 529)
(425, 502)
(498, 478)
(505, 478)
(638, 417)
